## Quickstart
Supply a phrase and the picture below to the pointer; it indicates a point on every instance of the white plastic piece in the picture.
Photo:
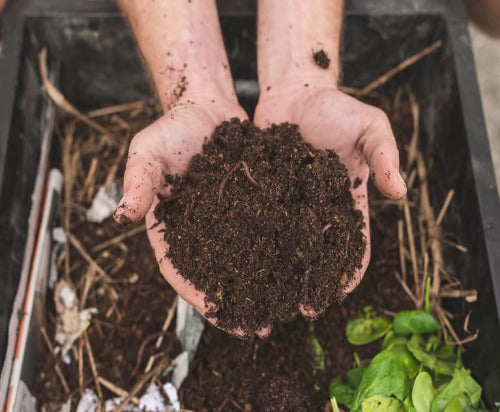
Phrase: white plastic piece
(104, 203)
(181, 369)
(88, 402)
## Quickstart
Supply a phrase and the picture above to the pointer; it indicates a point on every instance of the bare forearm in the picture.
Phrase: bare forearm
(289, 33)
(182, 45)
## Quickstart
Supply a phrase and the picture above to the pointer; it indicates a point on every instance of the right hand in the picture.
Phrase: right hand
(166, 147)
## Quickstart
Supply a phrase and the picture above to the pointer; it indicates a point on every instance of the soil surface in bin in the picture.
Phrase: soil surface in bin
(262, 222)
(227, 374)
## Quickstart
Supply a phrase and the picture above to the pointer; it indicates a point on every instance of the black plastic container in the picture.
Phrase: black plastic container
(90, 43)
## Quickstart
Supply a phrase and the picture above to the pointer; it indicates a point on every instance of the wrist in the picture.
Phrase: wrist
(290, 37)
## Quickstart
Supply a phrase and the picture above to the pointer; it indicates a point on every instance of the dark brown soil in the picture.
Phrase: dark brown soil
(277, 374)
(321, 59)
(263, 222)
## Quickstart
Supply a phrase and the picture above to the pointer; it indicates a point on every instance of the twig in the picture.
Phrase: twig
(125, 107)
(445, 206)
(84, 254)
(455, 245)
(466, 322)
(402, 261)
(140, 352)
(450, 329)
(59, 99)
(415, 111)
(116, 164)
(117, 390)
(89, 280)
(57, 368)
(469, 295)
(406, 288)
(400, 67)
(117, 239)
(90, 179)
(168, 320)
(145, 378)
(434, 232)
(411, 242)
(93, 366)
(80, 366)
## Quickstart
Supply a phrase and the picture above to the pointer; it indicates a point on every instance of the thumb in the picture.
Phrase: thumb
(379, 148)
(141, 182)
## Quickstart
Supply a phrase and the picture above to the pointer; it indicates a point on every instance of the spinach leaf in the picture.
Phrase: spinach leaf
(341, 392)
(380, 403)
(461, 384)
(354, 376)
(393, 339)
(416, 345)
(404, 355)
(386, 376)
(409, 322)
(423, 392)
(368, 328)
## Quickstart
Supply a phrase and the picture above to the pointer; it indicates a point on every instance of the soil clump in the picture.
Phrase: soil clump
(262, 223)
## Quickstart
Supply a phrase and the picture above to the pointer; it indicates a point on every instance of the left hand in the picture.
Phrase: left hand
(360, 134)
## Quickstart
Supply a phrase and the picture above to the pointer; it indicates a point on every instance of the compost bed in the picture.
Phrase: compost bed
(227, 373)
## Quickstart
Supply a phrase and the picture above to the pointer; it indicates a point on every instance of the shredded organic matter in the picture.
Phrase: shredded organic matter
(247, 226)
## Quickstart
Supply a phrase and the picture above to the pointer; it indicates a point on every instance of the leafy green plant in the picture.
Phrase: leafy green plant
(415, 371)
(368, 328)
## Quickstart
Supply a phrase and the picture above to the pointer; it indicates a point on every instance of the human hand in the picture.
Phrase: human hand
(360, 134)
(166, 147)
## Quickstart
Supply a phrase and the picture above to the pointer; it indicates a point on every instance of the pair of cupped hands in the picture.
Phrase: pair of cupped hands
(327, 118)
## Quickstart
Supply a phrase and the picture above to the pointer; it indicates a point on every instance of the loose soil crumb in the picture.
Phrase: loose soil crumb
(263, 222)
(321, 59)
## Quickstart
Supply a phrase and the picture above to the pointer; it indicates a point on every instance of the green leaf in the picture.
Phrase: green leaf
(354, 376)
(318, 354)
(409, 405)
(416, 345)
(369, 328)
(408, 360)
(459, 403)
(386, 376)
(409, 322)
(461, 384)
(342, 393)
(423, 392)
(393, 339)
(380, 403)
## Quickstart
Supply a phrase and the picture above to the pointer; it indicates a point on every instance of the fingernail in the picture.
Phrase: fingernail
(401, 180)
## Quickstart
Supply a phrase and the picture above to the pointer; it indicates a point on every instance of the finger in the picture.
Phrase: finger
(308, 312)
(361, 201)
(379, 147)
(143, 176)
(181, 285)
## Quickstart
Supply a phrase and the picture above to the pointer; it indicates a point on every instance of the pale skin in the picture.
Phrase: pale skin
(182, 39)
